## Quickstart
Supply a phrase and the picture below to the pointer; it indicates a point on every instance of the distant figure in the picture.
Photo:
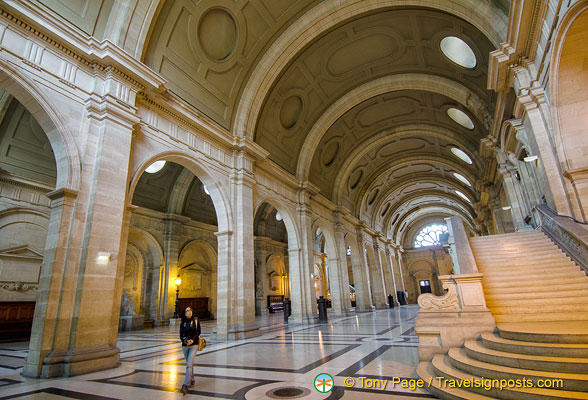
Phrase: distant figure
(127, 304)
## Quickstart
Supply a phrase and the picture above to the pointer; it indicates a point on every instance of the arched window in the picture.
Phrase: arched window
(429, 235)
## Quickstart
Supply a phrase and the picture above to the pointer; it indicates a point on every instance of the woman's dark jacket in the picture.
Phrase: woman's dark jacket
(190, 329)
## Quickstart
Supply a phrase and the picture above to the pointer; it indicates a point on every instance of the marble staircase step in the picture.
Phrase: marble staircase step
(491, 279)
(459, 359)
(522, 309)
(444, 367)
(546, 332)
(572, 365)
(563, 317)
(541, 301)
(427, 373)
(541, 251)
(523, 261)
(566, 280)
(537, 287)
(493, 340)
(532, 295)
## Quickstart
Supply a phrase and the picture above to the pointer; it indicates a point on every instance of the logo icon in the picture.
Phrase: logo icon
(324, 383)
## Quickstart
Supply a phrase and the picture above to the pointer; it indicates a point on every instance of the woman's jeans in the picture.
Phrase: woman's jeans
(190, 355)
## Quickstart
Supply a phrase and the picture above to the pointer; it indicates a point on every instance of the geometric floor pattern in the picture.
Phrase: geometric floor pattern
(281, 364)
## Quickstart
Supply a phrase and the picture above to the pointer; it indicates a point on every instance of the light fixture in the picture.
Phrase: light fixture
(205, 190)
(103, 258)
(458, 51)
(463, 196)
(462, 178)
(178, 280)
(530, 158)
(506, 208)
(461, 155)
(278, 216)
(155, 167)
(460, 117)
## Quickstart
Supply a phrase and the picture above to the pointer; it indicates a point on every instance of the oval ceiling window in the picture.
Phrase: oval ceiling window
(458, 51)
(461, 155)
(155, 167)
(460, 117)
(463, 196)
(205, 190)
(462, 179)
(278, 216)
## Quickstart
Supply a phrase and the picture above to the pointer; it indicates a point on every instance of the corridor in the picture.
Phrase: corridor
(378, 345)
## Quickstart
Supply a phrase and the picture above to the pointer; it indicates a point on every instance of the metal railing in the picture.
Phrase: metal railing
(569, 235)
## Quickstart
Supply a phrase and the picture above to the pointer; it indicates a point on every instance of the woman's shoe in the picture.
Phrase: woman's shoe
(184, 390)
(192, 383)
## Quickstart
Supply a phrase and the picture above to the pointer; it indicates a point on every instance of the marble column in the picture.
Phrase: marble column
(339, 276)
(302, 288)
(360, 271)
(241, 284)
(390, 267)
(512, 190)
(171, 250)
(73, 325)
(380, 295)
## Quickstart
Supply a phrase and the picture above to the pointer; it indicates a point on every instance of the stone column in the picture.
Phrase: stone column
(302, 284)
(171, 251)
(361, 277)
(72, 332)
(378, 287)
(512, 190)
(390, 267)
(261, 279)
(339, 275)
(224, 281)
(242, 281)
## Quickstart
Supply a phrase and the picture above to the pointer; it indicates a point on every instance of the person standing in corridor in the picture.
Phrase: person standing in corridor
(189, 334)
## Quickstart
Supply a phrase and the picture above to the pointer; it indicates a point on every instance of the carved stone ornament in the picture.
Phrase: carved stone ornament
(449, 300)
(19, 287)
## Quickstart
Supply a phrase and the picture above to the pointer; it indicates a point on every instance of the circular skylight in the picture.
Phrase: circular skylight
(460, 117)
(462, 178)
(155, 167)
(205, 190)
(458, 51)
(278, 216)
(463, 196)
(461, 155)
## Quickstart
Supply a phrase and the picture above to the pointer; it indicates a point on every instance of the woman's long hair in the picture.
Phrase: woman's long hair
(184, 318)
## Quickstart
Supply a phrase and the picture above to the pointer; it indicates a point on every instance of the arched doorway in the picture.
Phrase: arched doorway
(177, 209)
(272, 277)
(29, 173)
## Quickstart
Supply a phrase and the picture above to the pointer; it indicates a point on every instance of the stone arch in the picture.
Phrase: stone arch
(412, 81)
(60, 137)
(381, 138)
(490, 20)
(287, 217)
(569, 100)
(218, 195)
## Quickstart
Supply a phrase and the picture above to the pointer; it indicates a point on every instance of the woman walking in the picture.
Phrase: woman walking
(189, 334)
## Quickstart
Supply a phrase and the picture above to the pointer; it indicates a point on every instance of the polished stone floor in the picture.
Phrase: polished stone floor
(366, 347)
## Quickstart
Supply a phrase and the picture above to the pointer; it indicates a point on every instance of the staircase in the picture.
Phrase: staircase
(539, 300)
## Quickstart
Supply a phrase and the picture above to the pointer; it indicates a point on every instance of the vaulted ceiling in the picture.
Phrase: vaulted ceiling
(368, 110)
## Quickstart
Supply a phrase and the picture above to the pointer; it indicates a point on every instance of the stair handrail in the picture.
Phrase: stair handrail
(568, 234)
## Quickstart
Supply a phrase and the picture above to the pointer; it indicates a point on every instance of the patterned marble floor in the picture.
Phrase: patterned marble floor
(379, 345)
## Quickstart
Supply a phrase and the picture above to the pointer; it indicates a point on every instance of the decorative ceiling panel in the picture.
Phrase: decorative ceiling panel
(207, 48)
